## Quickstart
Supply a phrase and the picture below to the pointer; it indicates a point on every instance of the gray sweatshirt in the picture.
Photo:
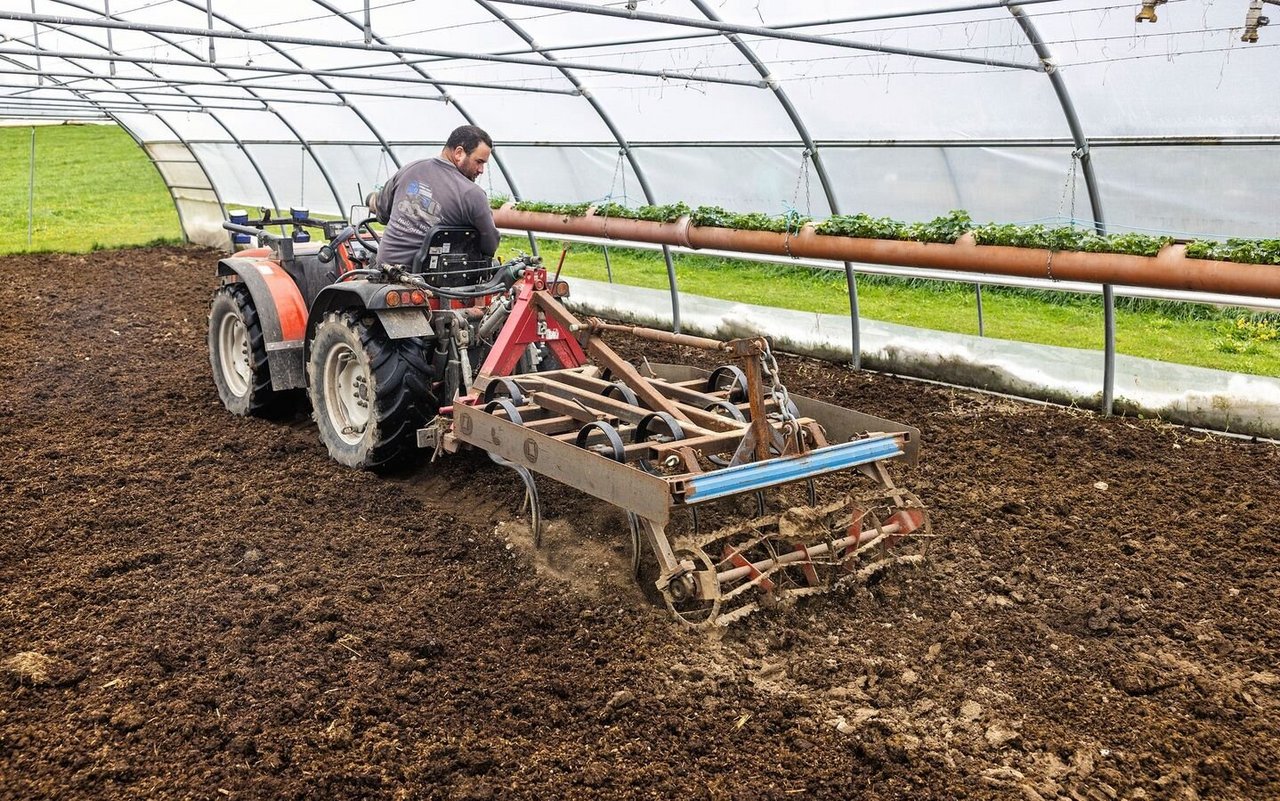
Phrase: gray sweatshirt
(426, 193)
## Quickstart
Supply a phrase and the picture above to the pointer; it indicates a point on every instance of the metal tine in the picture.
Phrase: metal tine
(530, 496)
(634, 522)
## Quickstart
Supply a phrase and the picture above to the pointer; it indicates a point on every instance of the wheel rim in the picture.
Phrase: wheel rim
(346, 392)
(233, 355)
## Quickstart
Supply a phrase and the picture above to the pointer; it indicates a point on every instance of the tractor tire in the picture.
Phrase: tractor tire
(238, 356)
(369, 393)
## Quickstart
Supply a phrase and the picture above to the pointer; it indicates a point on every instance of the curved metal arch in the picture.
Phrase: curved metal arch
(811, 150)
(112, 115)
(466, 115)
(1091, 186)
(266, 107)
(305, 144)
(111, 51)
(613, 129)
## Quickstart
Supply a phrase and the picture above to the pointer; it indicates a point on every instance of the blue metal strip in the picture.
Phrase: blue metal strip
(758, 475)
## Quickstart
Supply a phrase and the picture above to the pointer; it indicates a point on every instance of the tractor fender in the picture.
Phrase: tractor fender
(281, 311)
(399, 323)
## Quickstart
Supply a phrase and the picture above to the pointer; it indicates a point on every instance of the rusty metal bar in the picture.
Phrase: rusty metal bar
(655, 335)
(609, 359)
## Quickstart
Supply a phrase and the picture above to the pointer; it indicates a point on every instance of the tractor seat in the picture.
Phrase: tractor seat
(451, 257)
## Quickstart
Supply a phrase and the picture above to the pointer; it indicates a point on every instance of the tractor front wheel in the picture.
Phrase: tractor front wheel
(238, 355)
(369, 393)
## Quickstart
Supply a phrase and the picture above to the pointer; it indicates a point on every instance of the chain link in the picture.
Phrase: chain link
(776, 390)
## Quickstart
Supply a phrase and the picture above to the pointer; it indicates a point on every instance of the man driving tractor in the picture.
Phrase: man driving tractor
(436, 191)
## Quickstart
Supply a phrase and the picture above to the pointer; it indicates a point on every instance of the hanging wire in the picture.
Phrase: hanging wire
(617, 170)
(1070, 187)
(794, 219)
(382, 173)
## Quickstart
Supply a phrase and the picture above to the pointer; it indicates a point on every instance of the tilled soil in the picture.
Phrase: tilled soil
(196, 605)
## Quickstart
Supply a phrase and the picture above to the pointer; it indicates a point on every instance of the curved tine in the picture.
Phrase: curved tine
(693, 510)
(634, 522)
(813, 493)
(512, 388)
(535, 505)
(759, 503)
(530, 496)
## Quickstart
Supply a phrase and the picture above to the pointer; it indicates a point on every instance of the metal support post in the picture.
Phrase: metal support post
(31, 190)
(208, 8)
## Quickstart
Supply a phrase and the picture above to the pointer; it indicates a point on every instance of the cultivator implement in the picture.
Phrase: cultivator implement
(732, 483)
(684, 451)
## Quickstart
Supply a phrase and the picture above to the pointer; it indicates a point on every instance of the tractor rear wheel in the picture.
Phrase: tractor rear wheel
(369, 393)
(238, 355)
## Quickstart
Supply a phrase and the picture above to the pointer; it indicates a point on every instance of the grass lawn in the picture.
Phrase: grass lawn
(1224, 339)
(95, 188)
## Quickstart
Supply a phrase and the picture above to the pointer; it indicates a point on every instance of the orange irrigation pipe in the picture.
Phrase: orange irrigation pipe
(1169, 269)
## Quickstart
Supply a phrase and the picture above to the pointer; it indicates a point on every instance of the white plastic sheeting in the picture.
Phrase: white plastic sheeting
(1181, 117)
(1195, 396)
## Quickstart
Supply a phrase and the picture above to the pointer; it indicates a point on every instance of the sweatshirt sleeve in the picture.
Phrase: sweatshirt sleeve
(483, 220)
(385, 199)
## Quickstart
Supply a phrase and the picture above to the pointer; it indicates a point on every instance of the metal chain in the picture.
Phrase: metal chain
(1068, 188)
(776, 390)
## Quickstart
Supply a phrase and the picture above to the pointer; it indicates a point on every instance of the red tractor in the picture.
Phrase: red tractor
(457, 350)
(378, 351)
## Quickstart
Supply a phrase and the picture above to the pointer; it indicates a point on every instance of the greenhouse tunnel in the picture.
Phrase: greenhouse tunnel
(1150, 117)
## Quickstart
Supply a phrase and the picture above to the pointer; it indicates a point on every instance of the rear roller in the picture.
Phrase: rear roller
(772, 560)
(693, 596)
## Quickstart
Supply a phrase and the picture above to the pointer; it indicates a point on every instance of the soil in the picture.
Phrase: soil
(197, 605)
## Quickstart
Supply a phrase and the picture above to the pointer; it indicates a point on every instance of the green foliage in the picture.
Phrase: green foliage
(945, 229)
(1068, 238)
(563, 209)
(1247, 251)
(1244, 334)
(1134, 244)
(667, 213)
(498, 201)
(717, 217)
(862, 226)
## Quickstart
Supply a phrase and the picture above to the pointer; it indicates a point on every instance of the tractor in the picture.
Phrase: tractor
(459, 351)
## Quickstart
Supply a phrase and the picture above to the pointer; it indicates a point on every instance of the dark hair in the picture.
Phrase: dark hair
(468, 137)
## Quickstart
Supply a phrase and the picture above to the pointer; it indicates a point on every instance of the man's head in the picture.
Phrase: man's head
(468, 149)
